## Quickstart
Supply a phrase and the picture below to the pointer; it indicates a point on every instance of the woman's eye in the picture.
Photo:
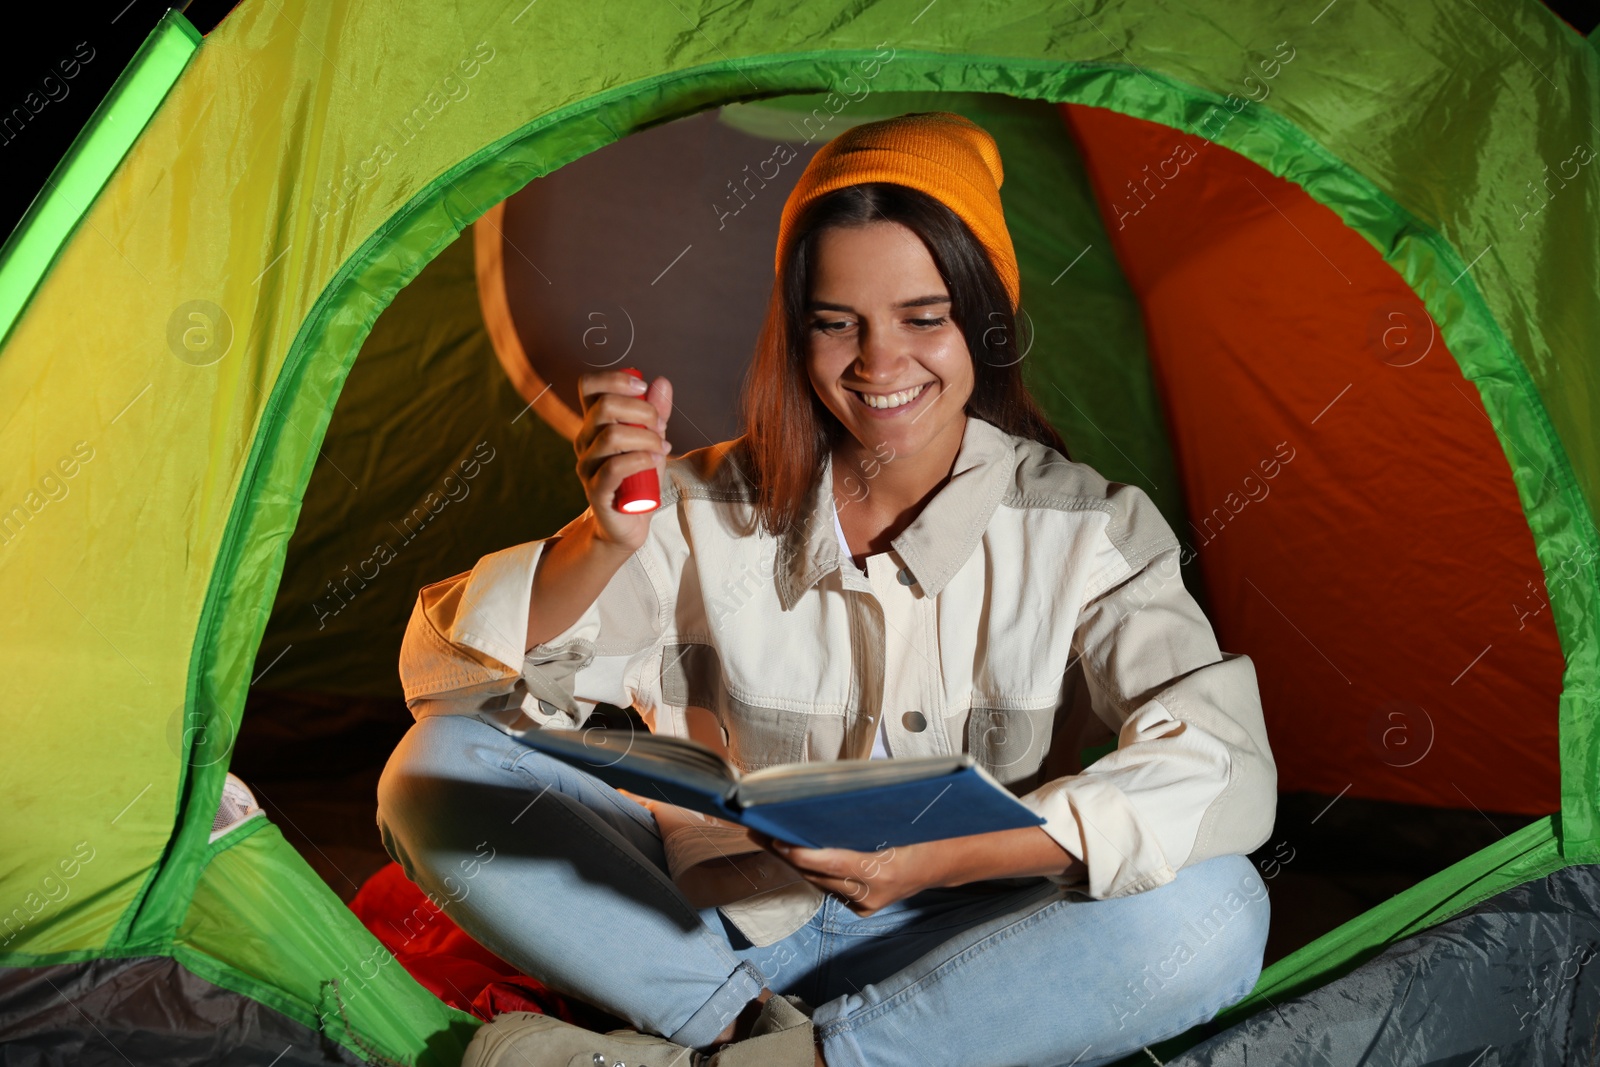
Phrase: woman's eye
(827, 327)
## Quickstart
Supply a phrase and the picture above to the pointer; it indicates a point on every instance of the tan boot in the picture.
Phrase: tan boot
(528, 1039)
(781, 1036)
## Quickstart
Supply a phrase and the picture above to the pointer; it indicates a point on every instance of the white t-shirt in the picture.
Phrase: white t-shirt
(880, 749)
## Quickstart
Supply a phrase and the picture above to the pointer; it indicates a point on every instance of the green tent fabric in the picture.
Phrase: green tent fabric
(427, 363)
(178, 329)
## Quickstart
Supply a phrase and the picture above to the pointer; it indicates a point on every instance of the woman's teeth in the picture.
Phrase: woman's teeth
(893, 400)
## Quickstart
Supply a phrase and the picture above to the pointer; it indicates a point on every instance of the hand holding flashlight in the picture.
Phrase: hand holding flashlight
(622, 451)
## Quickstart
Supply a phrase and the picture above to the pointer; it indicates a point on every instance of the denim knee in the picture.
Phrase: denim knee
(1209, 954)
(398, 802)
(427, 785)
(1235, 897)
(450, 771)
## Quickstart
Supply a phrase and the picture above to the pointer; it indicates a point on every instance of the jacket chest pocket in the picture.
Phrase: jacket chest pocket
(1009, 743)
(756, 736)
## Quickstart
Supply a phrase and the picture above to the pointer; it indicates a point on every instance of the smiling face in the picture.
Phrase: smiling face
(882, 350)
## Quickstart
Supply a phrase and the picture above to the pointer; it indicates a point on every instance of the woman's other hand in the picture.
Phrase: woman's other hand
(868, 881)
(609, 449)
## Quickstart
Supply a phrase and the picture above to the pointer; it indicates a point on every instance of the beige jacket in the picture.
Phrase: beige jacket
(1031, 609)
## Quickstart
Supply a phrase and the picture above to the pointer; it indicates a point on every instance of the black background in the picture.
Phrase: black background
(33, 46)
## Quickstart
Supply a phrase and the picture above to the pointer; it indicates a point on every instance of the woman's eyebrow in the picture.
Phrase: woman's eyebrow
(921, 301)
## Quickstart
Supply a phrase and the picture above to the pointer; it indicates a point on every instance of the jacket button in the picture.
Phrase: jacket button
(914, 721)
(905, 576)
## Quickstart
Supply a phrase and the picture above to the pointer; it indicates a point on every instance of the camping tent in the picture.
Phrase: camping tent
(1322, 282)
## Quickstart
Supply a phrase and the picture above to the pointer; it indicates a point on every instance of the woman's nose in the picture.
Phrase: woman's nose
(881, 357)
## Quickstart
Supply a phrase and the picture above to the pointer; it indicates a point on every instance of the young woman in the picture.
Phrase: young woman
(897, 559)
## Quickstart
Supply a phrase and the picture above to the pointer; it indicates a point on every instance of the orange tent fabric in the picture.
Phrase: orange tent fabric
(1353, 513)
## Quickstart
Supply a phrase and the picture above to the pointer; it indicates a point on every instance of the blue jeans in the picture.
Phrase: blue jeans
(564, 877)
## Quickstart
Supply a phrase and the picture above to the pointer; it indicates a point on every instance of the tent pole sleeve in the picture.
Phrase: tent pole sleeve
(94, 154)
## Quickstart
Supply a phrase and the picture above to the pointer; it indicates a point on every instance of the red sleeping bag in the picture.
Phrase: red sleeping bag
(451, 965)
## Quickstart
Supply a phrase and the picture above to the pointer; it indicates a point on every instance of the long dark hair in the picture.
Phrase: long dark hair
(789, 430)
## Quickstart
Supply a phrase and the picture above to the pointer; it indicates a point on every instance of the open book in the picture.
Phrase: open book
(858, 804)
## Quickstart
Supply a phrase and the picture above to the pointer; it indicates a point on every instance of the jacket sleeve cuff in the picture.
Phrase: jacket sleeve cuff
(493, 613)
(463, 650)
(493, 619)
(1094, 821)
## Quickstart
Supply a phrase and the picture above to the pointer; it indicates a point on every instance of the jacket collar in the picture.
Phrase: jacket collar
(937, 542)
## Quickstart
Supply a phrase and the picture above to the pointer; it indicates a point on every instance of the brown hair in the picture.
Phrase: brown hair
(788, 429)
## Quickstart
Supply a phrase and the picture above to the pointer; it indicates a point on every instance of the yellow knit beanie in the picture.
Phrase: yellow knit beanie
(945, 155)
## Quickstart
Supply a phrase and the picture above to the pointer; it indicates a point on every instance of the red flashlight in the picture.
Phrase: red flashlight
(641, 490)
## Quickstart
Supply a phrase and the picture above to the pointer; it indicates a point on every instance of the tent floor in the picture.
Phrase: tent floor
(149, 1011)
(1503, 983)
(313, 761)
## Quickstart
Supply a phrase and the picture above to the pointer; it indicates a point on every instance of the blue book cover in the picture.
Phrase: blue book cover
(863, 805)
